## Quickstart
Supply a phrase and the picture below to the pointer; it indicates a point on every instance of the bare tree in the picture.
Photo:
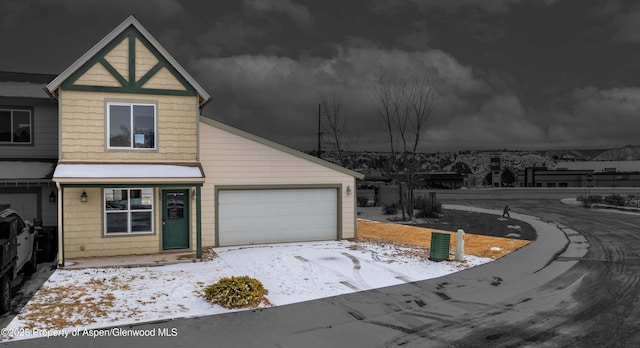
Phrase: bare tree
(336, 125)
(404, 105)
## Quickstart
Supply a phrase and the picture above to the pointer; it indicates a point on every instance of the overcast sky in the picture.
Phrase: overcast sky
(514, 74)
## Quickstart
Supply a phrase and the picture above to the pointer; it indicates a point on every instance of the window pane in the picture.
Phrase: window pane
(115, 199)
(144, 126)
(141, 222)
(175, 206)
(141, 199)
(5, 125)
(21, 126)
(117, 222)
(119, 126)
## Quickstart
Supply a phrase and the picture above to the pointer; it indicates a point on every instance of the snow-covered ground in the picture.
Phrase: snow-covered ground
(98, 298)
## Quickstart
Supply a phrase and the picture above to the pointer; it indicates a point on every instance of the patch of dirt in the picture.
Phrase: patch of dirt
(474, 244)
(63, 306)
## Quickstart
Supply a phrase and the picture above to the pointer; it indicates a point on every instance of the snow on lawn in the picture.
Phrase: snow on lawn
(98, 298)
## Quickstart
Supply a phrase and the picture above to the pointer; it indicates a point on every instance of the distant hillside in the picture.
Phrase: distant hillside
(478, 161)
(627, 153)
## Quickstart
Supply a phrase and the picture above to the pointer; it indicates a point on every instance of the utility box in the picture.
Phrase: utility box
(440, 245)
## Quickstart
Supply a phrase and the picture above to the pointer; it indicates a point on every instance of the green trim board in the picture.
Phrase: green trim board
(337, 187)
(198, 223)
(130, 26)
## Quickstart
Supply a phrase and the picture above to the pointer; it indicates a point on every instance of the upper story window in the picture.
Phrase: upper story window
(15, 126)
(131, 126)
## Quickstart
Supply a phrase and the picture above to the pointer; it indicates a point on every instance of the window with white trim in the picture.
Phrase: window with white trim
(15, 126)
(131, 126)
(128, 211)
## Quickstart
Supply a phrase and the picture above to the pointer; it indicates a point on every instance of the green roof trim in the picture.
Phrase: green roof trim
(280, 147)
(129, 29)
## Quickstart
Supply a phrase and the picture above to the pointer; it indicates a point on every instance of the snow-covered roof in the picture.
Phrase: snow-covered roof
(25, 169)
(69, 172)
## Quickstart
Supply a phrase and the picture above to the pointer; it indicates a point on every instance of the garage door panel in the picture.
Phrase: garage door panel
(26, 204)
(272, 216)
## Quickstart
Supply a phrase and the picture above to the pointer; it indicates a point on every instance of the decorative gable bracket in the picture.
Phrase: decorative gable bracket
(128, 60)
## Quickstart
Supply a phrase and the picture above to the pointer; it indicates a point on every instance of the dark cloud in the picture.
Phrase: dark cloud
(509, 73)
(299, 14)
(491, 6)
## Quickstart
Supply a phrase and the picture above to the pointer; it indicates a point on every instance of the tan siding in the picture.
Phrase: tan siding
(83, 229)
(163, 79)
(97, 75)
(229, 159)
(83, 127)
(145, 60)
(118, 57)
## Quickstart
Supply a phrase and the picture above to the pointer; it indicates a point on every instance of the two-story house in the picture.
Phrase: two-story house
(28, 145)
(140, 171)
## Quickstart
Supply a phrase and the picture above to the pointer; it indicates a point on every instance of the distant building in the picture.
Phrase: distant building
(605, 176)
(496, 167)
(439, 180)
(601, 166)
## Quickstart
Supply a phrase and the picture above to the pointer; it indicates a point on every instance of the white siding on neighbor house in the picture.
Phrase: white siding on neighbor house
(230, 159)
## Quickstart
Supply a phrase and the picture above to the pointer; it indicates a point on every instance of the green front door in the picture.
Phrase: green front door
(175, 219)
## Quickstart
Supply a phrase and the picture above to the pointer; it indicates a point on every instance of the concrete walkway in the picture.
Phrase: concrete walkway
(376, 317)
(148, 260)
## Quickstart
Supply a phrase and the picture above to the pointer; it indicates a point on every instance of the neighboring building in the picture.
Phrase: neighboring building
(28, 146)
(439, 180)
(140, 171)
(601, 166)
(543, 177)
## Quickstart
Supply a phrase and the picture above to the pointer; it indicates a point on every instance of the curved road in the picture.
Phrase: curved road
(577, 301)
(595, 303)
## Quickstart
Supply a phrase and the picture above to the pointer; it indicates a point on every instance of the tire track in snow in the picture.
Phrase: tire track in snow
(355, 284)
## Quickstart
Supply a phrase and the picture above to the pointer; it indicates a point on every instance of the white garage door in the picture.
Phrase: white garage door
(26, 204)
(276, 216)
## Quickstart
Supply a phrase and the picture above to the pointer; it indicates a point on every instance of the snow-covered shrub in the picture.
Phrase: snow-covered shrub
(237, 292)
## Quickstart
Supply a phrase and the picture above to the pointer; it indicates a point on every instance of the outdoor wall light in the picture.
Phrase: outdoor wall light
(83, 197)
(348, 190)
(52, 197)
(193, 194)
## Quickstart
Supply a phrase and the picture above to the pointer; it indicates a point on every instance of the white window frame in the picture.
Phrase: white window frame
(132, 135)
(128, 211)
(11, 111)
